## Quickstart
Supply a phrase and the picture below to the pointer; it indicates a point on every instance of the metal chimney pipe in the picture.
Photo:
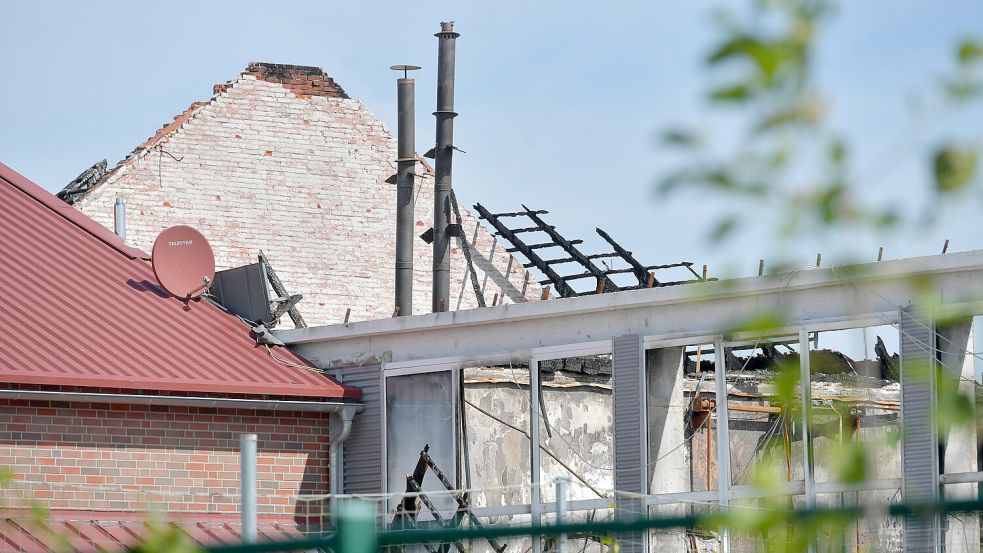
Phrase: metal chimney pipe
(119, 218)
(443, 154)
(405, 179)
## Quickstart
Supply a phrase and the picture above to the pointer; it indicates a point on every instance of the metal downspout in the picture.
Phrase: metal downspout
(335, 475)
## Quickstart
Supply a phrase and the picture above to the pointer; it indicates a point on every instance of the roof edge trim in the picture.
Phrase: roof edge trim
(184, 401)
(65, 210)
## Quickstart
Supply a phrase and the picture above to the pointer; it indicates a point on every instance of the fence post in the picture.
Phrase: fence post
(561, 509)
(247, 476)
(356, 528)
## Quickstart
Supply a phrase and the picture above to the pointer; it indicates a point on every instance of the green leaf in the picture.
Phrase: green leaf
(762, 324)
(721, 179)
(767, 57)
(680, 137)
(969, 51)
(807, 112)
(954, 168)
(731, 93)
(963, 89)
(829, 204)
(849, 461)
(837, 151)
(675, 180)
(724, 228)
(885, 219)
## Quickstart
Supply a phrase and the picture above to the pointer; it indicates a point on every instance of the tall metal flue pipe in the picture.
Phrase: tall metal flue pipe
(405, 179)
(443, 154)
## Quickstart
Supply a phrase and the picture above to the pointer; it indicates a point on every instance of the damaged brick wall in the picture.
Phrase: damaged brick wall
(282, 160)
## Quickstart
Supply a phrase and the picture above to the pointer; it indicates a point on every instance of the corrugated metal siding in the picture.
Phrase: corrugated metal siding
(630, 447)
(363, 450)
(82, 309)
(919, 442)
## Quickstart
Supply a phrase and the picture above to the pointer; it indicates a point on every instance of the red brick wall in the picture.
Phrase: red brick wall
(84, 456)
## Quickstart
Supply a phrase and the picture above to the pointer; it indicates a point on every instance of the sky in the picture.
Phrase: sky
(560, 103)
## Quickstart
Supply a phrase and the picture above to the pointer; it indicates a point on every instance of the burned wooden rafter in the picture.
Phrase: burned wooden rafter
(543, 245)
(643, 273)
(290, 301)
(520, 246)
(466, 248)
(604, 282)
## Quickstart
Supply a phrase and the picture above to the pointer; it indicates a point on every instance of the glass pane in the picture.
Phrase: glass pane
(420, 414)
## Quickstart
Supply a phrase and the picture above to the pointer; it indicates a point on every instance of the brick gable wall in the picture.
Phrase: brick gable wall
(90, 457)
(296, 169)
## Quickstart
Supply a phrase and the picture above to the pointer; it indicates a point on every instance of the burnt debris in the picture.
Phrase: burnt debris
(822, 361)
(82, 183)
(643, 274)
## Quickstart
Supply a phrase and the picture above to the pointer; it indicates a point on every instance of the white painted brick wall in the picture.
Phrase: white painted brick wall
(302, 179)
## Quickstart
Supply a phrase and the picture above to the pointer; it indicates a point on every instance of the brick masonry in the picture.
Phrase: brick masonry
(93, 457)
(281, 159)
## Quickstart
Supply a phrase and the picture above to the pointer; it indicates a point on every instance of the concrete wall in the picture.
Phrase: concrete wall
(579, 409)
(273, 162)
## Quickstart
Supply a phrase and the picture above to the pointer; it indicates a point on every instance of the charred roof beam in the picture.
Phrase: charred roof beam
(562, 287)
(594, 270)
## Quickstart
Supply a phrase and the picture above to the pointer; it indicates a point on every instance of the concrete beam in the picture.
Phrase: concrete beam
(954, 342)
(668, 462)
(821, 299)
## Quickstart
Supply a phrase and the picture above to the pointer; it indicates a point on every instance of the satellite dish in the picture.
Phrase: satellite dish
(183, 262)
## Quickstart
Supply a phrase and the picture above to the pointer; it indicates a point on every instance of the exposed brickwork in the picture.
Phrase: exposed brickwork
(301, 176)
(84, 456)
(302, 80)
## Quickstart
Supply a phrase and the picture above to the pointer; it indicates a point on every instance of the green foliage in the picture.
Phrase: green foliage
(955, 409)
(766, 59)
(611, 542)
(761, 324)
(680, 137)
(954, 168)
(969, 51)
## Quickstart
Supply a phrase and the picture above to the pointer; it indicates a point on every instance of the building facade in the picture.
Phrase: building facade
(282, 160)
(118, 400)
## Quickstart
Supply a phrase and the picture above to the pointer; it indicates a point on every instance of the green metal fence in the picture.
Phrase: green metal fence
(357, 532)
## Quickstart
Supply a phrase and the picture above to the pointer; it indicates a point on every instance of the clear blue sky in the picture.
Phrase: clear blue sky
(560, 102)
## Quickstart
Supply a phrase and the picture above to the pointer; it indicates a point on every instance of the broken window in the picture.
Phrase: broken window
(495, 445)
(576, 426)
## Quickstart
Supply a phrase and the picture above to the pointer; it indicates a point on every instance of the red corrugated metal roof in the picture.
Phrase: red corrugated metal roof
(81, 308)
(102, 533)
